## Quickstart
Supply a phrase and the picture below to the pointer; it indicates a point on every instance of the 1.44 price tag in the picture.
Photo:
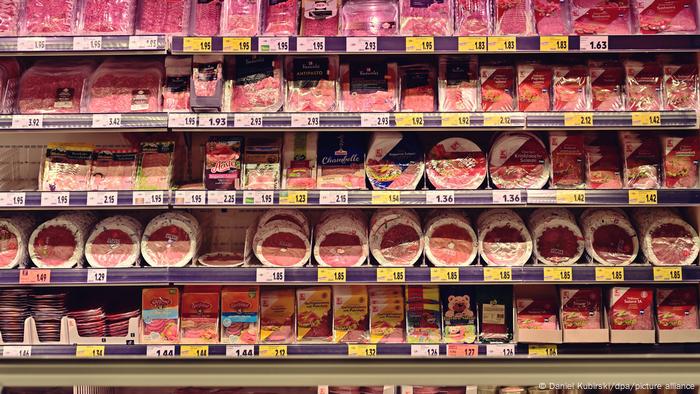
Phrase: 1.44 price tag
(240, 351)
(16, 351)
(157, 351)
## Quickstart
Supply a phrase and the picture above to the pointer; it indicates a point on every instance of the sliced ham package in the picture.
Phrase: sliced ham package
(472, 17)
(677, 308)
(534, 87)
(169, 17)
(610, 237)
(536, 313)
(113, 169)
(458, 84)
(567, 153)
(423, 315)
(551, 17)
(450, 239)
(644, 82)
(312, 83)
(426, 17)
(207, 82)
(160, 315)
(60, 242)
(396, 237)
(199, 315)
(495, 306)
(125, 85)
(53, 87)
(282, 239)
(320, 18)
(680, 161)
(665, 238)
(341, 239)
(631, 308)
(314, 314)
(503, 238)
(607, 85)
(255, 84)
(107, 17)
(114, 242)
(370, 18)
(570, 88)
(680, 90)
(350, 314)
(299, 160)
(66, 167)
(206, 17)
(456, 163)
(171, 239)
(14, 237)
(369, 86)
(261, 163)
(418, 85)
(9, 17)
(603, 166)
(341, 161)
(581, 308)
(459, 314)
(387, 319)
(393, 161)
(176, 91)
(240, 17)
(556, 236)
(666, 16)
(601, 17)
(277, 317)
(222, 163)
(280, 17)
(518, 160)
(497, 88)
(9, 79)
(240, 320)
(641, 160)
(155, 168)
(513, 17)
(48, 17)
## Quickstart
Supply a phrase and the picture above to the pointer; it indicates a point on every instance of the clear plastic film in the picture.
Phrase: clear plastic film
(207, 75)
(66, 167)
(370, 18)
(472, 18)
(176, 92)
(206, 17)
(106, 17)
(607, 85)
(257, 84)
(571, 88)
(644, 81)
(497, 88)
(280, 17)
(52, 87)
(369, 86)
(240, 17)
(518, 160)
(551, 17)
(312, 84)
(9, 78)
(642, 160)
(10, 17)
(603, 167)
(458, 83)
(665, 16)
(680, 89)
(163, 17)
(113, 169)
(48, 17)
(122, 85)
(418, 84)
(513, 17)
(426, 17)
(680, 161)
(320, 17)
(601, 17)
(534, 87)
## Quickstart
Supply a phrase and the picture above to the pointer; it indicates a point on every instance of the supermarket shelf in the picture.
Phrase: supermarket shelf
(97, 199)
(103, 122)
(611, 120)
(109, 45)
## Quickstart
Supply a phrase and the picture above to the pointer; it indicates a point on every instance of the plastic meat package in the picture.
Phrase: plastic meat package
(387, 318)
(642, 160)
(299, 160)
(458, 84)
(163, 17)
(206, 17)
(280, 17)
(341, 161)
(312, 84)
(666, 238)
(603, 167)
(677, 308)
(261, 164)
(426, 17)
(450, 239)
(160, 315)
(556, 237)
(495, 305)
(394, 161)
(102, 17)
(113, 169)
(171, 239)
(680, 87)
(666, 16)
(581, 308)
(518, 160)
(456, 163)
(48, 17)
(644, 81)
(504, 240)
(66, 167)
(240, 18)
(680, 161)
(277, 317)
(314, 314)
(607, 85)
(610, 238)
(472, 17)
(51, 87)
(551, 17)
(369, 86)
(497, 88)
(341, 238)
(176, 92)
(122, 85)
(350, 314)
(320, 17)
(222, 163)
(536, 312)
(240, 322)
(571, 88)
(601, 17)
(199, 321)
(631, 308)
(567, 153)
(513, 17)
(534, 87)
(255, 84)
(370, 18)
(396, 237)
(10, 17)
(418, 84)
(155, 165)
(9, 78)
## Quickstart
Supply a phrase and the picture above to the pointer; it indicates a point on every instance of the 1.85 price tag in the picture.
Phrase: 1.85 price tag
(391, 275)
(668, 274)
(498, 274)
(444, 274)
(331, 275)
(609, 274)
(558, 274)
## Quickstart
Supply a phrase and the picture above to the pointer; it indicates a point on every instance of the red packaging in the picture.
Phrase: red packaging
(536, 313)
(630, 308)
(607, 86)
(642, 160)
(497, 88)
(200, 315)
(603, 167)
(580, 308)
(222, 165)
(314, 316)
(600, 17)
(680, 161)
(160, 316)
(551, 17)
(664, 16)
(680, 87)
(570, 88)
(677, 308)
(567, 153)
(534, 87)
(643, 82)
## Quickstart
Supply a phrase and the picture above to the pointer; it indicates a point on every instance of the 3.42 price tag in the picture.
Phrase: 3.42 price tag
(101, 121)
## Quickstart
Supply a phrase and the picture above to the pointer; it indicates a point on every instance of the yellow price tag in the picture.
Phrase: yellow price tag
(420, 44)
(362, 350)
(498, 274)
(643, 197)
(196, 44)
(578, 119)
(609, 274)
(502, 44)
(497, 120)
(237, 44)
(194, 351)
(646, 119)
(558, 274)
(455, 119)
(472, 44)
(272, 350)
(444, 274)
(89, 351)
(571, 196)
(542, 350)
(297, 197)
(386, 197)
(554, 43)
(668, 274)
(391, 275)
(332, 274)
(409, 120)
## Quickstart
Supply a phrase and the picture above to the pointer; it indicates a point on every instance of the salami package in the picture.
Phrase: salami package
(48, 17)
(472, 17)
(504, 240)
(199, 322)
(518, 160)
(312, 84)
(426, 17)
(255, 84)
(642, 160)
(601, 17)
(456, 163)
(222, 163)
(581, 308)
(666, 238)
(10, 17)
(314, 314)
(341, 161)
(176, 92)
(423, 314)
(369, 86)
(607, 85)
(106, 17)
(396, 237)
(370, 18)
(277, 315)
(169, 17)
(114, 242)
(282, 239)
(206, 17)
(240, 17)
(53, 87)
(66, 167)
(556, 237)
(497, 88)
(677, 308)
(495, 306)
(320, 18)
(644, 82)
(458, 84)
(160, 315)
(568, 160)
(459, 314)
(386, 314)
(14, 237)
(631, 308)
(393, 161)
(536, 313)
(207, 82)
(171, 239)
(350, 314)
(341, 239)
(680, 161)
(666, 16)
(418, 84)
(571, 85)
(280, 17)
(603, 165)
(551, 17)
(240, 322)
(299, 160)
(113, 169)
(610, 237)
(450, 239)
(534, 87)
(680, 89)
(513, 17)
(124, 85)
(155, 165)
(261, 163)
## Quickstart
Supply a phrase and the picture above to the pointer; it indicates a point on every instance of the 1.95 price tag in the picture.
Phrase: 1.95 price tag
(420, 44)
(13, 199)
(331, 275)
(258, 197)
(609, 274)
(196, 44)
(237, 44)
(87, 43)
(273, 44)
(143, 42)
(148, 198)
(190, 197)
(55, 199)
(31, 44)
(311, 44)
(391, 275)
(182, 120)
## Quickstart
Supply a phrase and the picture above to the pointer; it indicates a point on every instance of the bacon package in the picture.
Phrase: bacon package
(556, 236)
(171, 239)
(341, 161)
(551, 17)
(53, 87)
(277, 315)
(66, 167)
(256, 84)
(641, 160)
(601, 17)
(603, 167)
(14, 237)
(581, 308)
(312, 83)
(199, 322)
(426, 17)
(60, 242)
(160, 315)
(497, 88)
(456, 163)
(341, 239)
(393, 161)
(666, 16)
(240, 322)
(513, 17)
(472, 18)
(314, 314)
(163, 17)
(261, 163)
(503, 238)
(280, 17)
(125, 85)
(107, 17)
(677, 308)
(534, 87)
(386, 314)
(222, 163)
(423, 315)
(610, 237)
(114, 242)
(631, 308)
(320, 18)
(418, 84)
(607, 85)
(396, 237)
(370, 18)
(299, 160)
(450, 239)
(155, 165)
(518, 160)
(176, 91)
(206, 17)
(495, 306)
(536, 313)
(113, 169)
(350, 314)
(567, 153)
(644, 82)
(665, 238)
(570, 87)
(282, 239)
(680, 161)
(240, 17)
(48, 17)
(458, 314)
(458, 84)
(369, 86)
(680, 89)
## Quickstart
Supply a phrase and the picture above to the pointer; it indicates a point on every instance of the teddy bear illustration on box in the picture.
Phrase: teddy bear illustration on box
(458, 308)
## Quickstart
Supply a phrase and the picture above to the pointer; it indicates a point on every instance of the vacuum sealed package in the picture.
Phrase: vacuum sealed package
(387, 319)
(277, 315)
(426, 17)
(418, 84)
(320, 17)
(581, 308)
(518, 160)
(458, 314)
(513, 17)
(279, 17)
(601, 17)
(369, 86)
(48, 17)
(641, 160)
(240, 320)
(455, 163)
(644, 81)
(504, 240)
(610, 238)
(370, 18)
(160, 315)
(107, 17)
(458, 84)
(199, 314)
(155, 165)
(534, 87)
(680, 161)
(66, 167)
(125, 85)
(680, 87)
(677, 308)
(314, 314)
(571, 88)
(113, 169)
(394, 161)
(10, 17)
(299, 160)
(423, 314)
(603, 166)
(256, 84)
(206, 17)
(163, 17)
(607, 85)
(666, 16)
(9, 80)
(567, 153)
(551, 17)
(631, 308)
(497, 88)
(495, 306)
(472, 17)
(176, 92)
(261, 163)
(350, 314)
(312, 84)
(341, 161)
(240, 17)
(53, 87)
(207, 83)
(222, 163)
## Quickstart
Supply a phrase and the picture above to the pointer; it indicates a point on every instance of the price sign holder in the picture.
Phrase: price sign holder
(668, 274)
(391, 275)
(425, 350)
(272, 351)
(455, 119)
(472, 44)
(500, 350)
(644, 119)
(570, 196)
(462, 350)
(578, 119)
(609, 274)
(409, 119)
(444, 274)
(333, 197)
(643, 197)
(269, 275)
(542, 350)
(554, 44)
(502, 44)
(332, 275)
(355, 350)
(498, 274)
(420, 44)
(34, 276)
(558, 274)
(386, 197)
(237, 44)
(89, 351)
(194, 351)
(297, 197)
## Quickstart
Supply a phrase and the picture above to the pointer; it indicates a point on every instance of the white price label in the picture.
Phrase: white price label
(266, 275)
(501, 350)
(182, 120)
(248, 120)
(55, 199)
(306, 120)
(507, 197)
(212, 120)
(148, 198)
(16, 351)
(27, 121)
(143, 42)
(425, 350)
(594, 43)
(273, 44)
(361, 44)
(106, 121)
(87, 43)
(31, 44)
(240, 351)
(440, 197)
(160, 351)
(375, 120)
(102, 198)
(333, 197)
(190, 197)
(258, 197)
(16, 199)
(96, 275)
(311, 44)
(221, 197)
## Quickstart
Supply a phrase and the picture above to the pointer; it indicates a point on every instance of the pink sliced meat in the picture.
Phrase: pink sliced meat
(456, 163)
(49, 17)
(163, 16)
(207, 17)
(108, 17)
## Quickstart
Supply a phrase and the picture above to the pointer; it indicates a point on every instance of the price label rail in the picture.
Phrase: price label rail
(52, 45)
(154, 121)
(606, 120)
(84, 199)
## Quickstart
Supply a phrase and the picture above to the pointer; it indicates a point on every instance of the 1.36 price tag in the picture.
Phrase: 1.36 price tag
(506, 197)
(440, 197)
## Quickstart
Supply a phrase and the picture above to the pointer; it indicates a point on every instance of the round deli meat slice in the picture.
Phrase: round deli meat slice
(115, 242)
(60, 242)
(291, 215)
(456, 163)
(556, 236)
(610, 237)
(518, 160)
(14, 236)
(666, 239)
(281, 243)
(171, 239)
(450, 239)
(504, 239)
(221, 259)
(396, 237)
(340, 239)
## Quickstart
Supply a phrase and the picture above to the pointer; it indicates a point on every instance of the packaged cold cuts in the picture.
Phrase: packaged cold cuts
(654, 17)
(314, 314)
(98, 17)
(350, 314)
(456, 163)
(472, 17)
(341, 161)
(261, 163)
(369, 86)
(387, 320)
(518, 160)
(320, 18)
(206, 17)
(418, 84)
(567, 153)
(176, 91)
(256, 84)
(280, 17)
(114, 242)
(423, 315)
(9, 78)
(426, 17)
(677, 308)
(680, 161)
(170, 17)
(642, 160)
(171, 239)
(551, 17)
(534, 87)
(48, 17)
(610, 237)
(53, 87)
(570, 88)
(557, 239)
(631, 308)
(393, 161)
(312, 83)
(458, 84)
(282, 239)
(601, 17)
(603, 166)
(113, 169)
(222, 163)
(607, 85)
(680, 87)
(14, 237)
(495, 304)
(459, 314)
(369, 18)
(66, 167)
(277, 315)
(581, 308)
(396, 237)
(240, 320)
(536, 313)
(221, 259)
(9, 18)
(160, 315)
(497, 88)
(199, 317)
(155, 165)
(341, 239)
(503, 238)
(299, 160)
(207, 82)
(643, 85)
(665, 238)
(240, 17)
(450, 239)
(120, 85)
(513, 17)
(60, 242)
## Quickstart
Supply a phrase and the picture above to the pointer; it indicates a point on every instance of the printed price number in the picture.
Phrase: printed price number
(462, 350)
(391, 275)
(267, 275)
(355, 350)
(497, 120)
(375, 120)
(440, 197)
(212, 120)
(106, 120)
(332, 197)
(237, 44)
(240, 351)
(472, 44)
(558, 274)
(554, 43)
(311, 44)
(248, 120)
(34, 277)
(102, 198)
(668, 274)
(578, 119)
(87, 43)
(27, 121)
(160, 351)
(182, 120)
(273, 44)
(143, 42)
(456, 120)
(90, 351)
(425, 350)
(506, 197)
(498, 274)
(31, 44)
(444, 274)
(194, 351)
(221, 197)
(409, 120)
(258, 197)
(96, 275)
(420, 44)
(571, 196)
(593, 43)
(196, 44)
(273, 351)
(386, 197)
(190, 197)
(642, 119)
(502, 44)
(361, 44)
(330, 275)
(643, 197)
(501, 350)
(609, 274)
(542, 350)
(16, 351)
(18, 199)
(55, 199)
(148, 198)
(306, 120)
(297, 197)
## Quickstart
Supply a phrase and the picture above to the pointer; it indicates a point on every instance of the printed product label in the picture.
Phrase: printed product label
(319, 9)
(139, 99)
(368, 78)
(493, 313)
(64, 98)
(252, 69)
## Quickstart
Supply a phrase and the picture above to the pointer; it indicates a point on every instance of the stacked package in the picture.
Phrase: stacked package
(503, 238)
(199, 317)
(644, 83)
(51, 87)
(567, 153)
(341, 161)
(312, 83)
(279, 17)
(610, 237)
(655, 17)
(319, 18)
(570, 88)
(497, 88)
(66, 167)
(9, 79)
(207, 82)
(601, 17)
(680, 161)
(282, 239)
(60, 242)
(458, 84)
(169, 17)
(513, 17)
(171, 239)
(256, 84)
(261, 163)
(222, 163)
(155, 165)
(393, 161)
(665, 238)
(680, 86)
(240, 17)
(418, 87)
(369, 18)
(387, 320)
(426, 17)
(557, 239)
(240, 306)
(537, 312)
(341, 239)
(534, 87)
(396, 237)
(456, 163)
(677, 308)
(48, 17)
(369, 86)
(472, 17)
(607, 85)
(630, 308)
(551, 17)
(641, 161)
(423, 315)
(206, 17)
(114, 242)
(113, 169)
(277, 317)
(581, 308)
(116, 86)
(101, 17)
(299, 160)
(14, 237)
(518, 160)
(160, 315)
(350, 314)
(314, 314)
(176, 90)
(449, 238)
(603, 167)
